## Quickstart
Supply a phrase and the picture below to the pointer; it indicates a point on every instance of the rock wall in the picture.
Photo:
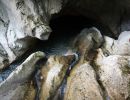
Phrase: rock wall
(102, 70)
(22, 20)
(96, 75)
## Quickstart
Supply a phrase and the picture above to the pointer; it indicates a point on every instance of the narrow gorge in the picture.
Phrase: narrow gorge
(64, 50)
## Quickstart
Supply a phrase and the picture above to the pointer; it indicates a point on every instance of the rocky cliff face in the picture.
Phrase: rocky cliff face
(21, 20)
(96, 66)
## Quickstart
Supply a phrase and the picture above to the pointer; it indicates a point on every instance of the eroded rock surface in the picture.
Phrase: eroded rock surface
(20, 75)
(54, 71)
(82, 84)
(53, 74)
(121, 46)
(20, 21)
(114, 73)
(15, 94)
(107, 76)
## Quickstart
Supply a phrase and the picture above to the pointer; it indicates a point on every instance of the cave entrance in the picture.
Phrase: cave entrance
(69, 25)
(64, 28)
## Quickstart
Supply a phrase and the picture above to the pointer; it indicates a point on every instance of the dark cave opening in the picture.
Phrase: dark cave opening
(70, 25)
(64, 29)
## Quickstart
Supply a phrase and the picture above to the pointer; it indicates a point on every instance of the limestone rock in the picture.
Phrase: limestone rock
(109, 45)
(89, 38)
(23, 20)
(20, 21)
(15, 94)
(30, 92)
(21, 74)
(114, 73)
(123, 43)
(118, 47)
(53, 73)
(24, 91)
(82, 84)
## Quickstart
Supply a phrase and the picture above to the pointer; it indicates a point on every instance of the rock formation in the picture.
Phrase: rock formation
(20, 20)
(19, 76)
(121, 46)
(96, 66)
(52, 75)
(114, 73)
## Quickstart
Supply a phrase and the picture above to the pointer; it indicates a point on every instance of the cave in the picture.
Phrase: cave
(71, 25)
(65, 49)
(65, 27)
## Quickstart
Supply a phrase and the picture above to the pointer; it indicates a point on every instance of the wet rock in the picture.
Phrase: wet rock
(82, 84)
(21, 74)
(53, 73)
(114, 73)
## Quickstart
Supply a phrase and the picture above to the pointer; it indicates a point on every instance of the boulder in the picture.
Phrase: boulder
(21, 21)
(121, 46)
(114, 74)
(82, 84)
(20, 75)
